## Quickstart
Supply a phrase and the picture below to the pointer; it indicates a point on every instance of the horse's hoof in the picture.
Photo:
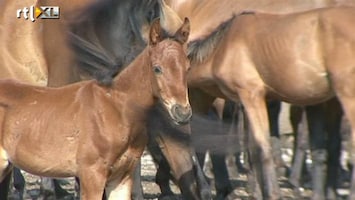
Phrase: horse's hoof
(206, 195)
(68, 197)
(331, 194)
(168, 197)
(222, 195)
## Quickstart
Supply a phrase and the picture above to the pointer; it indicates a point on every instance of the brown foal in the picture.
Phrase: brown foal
(95, 132)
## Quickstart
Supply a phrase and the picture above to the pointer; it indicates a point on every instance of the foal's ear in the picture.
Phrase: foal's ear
(182, 34)
(155, 33)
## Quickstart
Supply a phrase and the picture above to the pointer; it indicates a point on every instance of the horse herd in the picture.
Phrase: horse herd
(149, 71)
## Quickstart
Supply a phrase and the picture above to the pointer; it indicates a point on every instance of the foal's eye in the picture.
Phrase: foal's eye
(157, 69)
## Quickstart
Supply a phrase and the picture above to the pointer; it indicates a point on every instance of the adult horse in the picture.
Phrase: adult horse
(254, 53)
(94, 151)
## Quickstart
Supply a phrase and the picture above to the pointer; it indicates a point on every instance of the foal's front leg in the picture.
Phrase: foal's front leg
(120, 189)
(92, 182)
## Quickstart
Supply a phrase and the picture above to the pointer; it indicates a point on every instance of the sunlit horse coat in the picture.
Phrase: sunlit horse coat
(303, 58)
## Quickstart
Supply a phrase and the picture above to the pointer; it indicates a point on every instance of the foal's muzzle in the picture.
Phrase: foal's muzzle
(180, 114)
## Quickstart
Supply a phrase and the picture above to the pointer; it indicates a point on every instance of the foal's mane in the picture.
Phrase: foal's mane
(199, 50)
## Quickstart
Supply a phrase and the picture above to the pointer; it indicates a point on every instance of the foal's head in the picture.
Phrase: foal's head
(169, 65)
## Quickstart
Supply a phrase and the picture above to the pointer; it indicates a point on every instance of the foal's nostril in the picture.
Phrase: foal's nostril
(181, 114)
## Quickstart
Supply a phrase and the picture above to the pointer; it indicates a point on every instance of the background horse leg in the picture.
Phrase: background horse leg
(5, 186)
(243, 135)
(19, 182)
(179, 156)
(274, 108)
(316, 120)
(349, 109)
(137, 191)
(240, 124)
(334, 115)
(218, 159)
(301, 140)
(163, 175)
(174, 143)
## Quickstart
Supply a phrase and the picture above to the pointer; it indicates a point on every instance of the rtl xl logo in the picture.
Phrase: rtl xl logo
(41, 12)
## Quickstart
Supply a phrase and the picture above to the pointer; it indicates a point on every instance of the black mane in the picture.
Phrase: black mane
(200, 49)
(108, 36)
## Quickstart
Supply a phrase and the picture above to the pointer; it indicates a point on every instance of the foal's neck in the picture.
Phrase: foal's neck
(134, 82)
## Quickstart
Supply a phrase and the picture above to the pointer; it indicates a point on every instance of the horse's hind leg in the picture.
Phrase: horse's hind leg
(348, 103)
(344, 85)
(334, 115)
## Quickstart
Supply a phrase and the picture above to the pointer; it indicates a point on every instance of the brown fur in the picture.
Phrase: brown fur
(303, 58)
(207, 15)
(90, 131)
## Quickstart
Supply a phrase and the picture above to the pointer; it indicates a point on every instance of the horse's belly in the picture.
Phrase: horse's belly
(51, 167)
(42, 160)
(43, 154)
(310, 88)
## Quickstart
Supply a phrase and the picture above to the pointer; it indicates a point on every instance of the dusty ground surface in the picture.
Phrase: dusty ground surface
(152, 191)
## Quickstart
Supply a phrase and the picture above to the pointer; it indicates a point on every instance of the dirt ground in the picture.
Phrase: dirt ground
(151, 191)
(239, 182)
